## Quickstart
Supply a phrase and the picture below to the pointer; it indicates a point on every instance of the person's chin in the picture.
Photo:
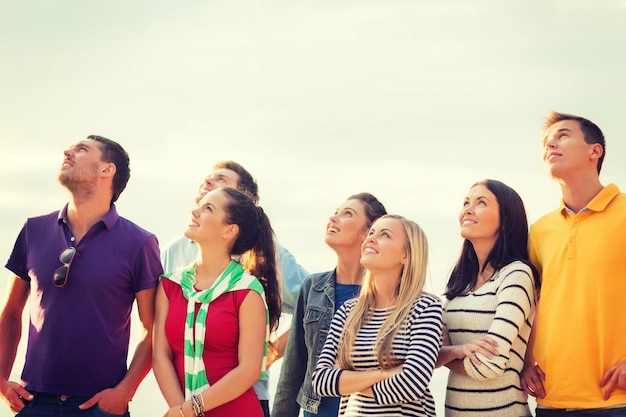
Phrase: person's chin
(190, 232)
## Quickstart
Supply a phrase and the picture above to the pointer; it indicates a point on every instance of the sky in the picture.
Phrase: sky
(413, 101)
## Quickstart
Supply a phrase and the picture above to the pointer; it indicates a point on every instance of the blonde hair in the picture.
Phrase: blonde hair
(409, 288)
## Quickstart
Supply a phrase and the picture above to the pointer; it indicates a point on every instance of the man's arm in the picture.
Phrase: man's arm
(17, 294)
(115, 400)
(291, 276)
(532, 375)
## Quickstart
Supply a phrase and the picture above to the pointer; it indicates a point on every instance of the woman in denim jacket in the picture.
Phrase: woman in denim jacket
(320, 296)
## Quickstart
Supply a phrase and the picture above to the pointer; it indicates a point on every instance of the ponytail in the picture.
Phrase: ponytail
(256, 246)
(260, 261)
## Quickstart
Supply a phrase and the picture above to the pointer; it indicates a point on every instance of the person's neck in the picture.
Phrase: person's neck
(84, 212)
(385, 287)
(577, 193)
(209, 266)
(349, 269)
(482, 249)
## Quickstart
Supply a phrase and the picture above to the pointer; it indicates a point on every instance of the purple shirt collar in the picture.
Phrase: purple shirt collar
(109, 219)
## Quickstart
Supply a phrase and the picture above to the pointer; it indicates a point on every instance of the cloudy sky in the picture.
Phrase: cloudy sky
(412, 101)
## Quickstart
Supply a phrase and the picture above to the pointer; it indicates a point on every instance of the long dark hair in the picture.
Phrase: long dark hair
(511, 244)
(255, 244)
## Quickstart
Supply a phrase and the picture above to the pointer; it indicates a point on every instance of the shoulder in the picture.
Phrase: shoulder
(182, 240)
(169, 285)
(516, 266)
(246, 294)
(44, 219)
(516, 271)
(133, 231)
(618, 203)
(426, 301)
(282, 251)
(546, 219)
(347, 307)
(318, 280)
(426, 298)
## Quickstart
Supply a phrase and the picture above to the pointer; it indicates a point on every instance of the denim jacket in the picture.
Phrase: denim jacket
(311, 321)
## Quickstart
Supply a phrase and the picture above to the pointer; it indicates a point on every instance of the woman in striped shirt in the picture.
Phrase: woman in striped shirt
(491, 304)
(382, 347)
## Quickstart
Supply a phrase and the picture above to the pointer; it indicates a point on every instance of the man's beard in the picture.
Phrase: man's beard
(80, 182)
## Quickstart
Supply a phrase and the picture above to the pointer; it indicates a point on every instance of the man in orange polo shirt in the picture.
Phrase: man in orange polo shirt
(576, 360)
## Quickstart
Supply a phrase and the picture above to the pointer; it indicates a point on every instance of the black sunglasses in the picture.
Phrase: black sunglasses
(59, 278)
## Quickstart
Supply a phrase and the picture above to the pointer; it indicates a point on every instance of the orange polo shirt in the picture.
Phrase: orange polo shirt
(581, 323)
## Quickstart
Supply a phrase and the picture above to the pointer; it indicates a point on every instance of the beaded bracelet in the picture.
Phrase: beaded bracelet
(182, 413)
(198, 409)
(193, 407)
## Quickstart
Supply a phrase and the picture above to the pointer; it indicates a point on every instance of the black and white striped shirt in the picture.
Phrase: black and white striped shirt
(416, 344)
(502, 308)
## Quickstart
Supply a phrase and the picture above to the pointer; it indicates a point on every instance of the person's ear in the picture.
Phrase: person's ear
(231, 231)
(596, 151)
(109, 169)
(403, 259)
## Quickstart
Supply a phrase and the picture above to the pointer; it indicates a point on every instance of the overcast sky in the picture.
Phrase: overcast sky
(412, 101)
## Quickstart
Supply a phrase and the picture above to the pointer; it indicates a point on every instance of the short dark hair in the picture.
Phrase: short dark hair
(591, 131)
(511, 244)
(114, 153)
(246, 182)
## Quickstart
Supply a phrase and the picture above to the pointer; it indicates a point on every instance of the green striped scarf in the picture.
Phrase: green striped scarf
(233, 278)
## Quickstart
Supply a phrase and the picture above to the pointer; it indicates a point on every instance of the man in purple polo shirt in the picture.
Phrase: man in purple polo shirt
(83, 267)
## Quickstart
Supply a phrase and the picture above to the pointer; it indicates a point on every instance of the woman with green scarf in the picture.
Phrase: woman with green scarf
(214, 317)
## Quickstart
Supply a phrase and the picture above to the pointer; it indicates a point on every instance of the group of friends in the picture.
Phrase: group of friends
(526, 311)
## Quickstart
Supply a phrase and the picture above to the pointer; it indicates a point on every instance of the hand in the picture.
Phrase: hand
(614, 377)
(485, 345)
(12, 394)
(532, 381)
(109, 400)
(173, 412)
(389, 372)
(272, 357)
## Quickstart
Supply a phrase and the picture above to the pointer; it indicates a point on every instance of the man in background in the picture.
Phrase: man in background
(183, 251)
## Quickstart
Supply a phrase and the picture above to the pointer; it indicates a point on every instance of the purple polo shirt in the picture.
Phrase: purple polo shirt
(78, 337)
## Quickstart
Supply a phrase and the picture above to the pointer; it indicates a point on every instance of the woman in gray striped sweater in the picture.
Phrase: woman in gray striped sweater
(491, 299)
(381, 349)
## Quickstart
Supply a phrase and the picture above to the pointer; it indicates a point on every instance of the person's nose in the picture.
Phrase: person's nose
(195, 212)
(468, 209)
(68, 153)
(550, 143)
